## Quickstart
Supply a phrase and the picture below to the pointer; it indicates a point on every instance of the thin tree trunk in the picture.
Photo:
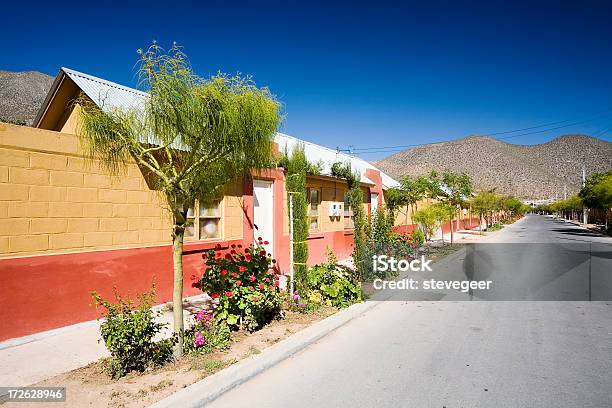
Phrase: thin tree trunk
(177, 295)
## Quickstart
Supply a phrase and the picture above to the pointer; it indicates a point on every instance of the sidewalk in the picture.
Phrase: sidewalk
(31, 359)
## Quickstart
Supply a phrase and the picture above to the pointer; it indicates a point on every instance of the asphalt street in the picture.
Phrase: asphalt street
(454, 349)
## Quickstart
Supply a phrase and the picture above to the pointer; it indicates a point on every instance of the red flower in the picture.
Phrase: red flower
(229, 294)
(252, 278)
(214, 295)
(242, 268)
(233, 251)
(233, 245)
(261, 286)
(276, 283)
(239, 246)
(234, 275)
(223, 272)
(248, 257)
(274, 261)
(192, 277)
(247, 250)
(262, 253)
(259, 238)
(218, 246)
(266, 242)
(276, 277)
(228, 256)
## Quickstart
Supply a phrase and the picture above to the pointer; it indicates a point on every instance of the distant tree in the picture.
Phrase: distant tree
(597, 193)
(426, 218)
(443, 212)
(193, 139)
(458, 189)
(483, 204)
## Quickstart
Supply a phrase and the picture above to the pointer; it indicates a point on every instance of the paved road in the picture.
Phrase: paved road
(461, 353)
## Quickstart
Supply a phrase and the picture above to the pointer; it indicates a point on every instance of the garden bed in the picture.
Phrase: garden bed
(91, 386)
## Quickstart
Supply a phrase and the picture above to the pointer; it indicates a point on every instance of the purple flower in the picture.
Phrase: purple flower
(199, 339)
(296, 297)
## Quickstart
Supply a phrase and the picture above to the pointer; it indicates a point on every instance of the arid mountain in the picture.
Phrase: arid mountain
(529, 172)
(21, 94)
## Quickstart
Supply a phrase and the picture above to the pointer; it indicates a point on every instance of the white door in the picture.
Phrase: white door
(374, 203)
(263, 213)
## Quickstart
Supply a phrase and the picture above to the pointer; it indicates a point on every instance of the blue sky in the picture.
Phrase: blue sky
(367, 75)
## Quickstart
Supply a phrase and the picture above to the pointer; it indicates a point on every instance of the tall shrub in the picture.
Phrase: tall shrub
(297, 166)
(355, 199)
(128, 332)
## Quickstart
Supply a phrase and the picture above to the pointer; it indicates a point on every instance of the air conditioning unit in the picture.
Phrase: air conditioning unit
(335, 209)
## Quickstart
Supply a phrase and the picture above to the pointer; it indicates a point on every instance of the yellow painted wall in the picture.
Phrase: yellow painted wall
(54, 200)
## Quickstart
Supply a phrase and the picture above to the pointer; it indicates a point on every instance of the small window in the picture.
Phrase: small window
(349, 217)
(207, 223)
(314, 198)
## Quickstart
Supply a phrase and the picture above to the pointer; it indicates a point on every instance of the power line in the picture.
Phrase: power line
(397, 148)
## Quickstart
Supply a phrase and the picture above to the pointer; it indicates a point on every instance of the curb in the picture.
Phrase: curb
(212, 387)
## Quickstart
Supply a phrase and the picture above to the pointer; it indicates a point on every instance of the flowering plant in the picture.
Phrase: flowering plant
(243, 283)
(207, 334)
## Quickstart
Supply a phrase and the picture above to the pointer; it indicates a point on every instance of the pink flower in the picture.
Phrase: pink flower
(199, 339)
(234, 275)
(261, 286)
(242, 268)
(223, 272)
(252, 278)
(229, 294)
(214, 295)
(238, 283)
(295, 297)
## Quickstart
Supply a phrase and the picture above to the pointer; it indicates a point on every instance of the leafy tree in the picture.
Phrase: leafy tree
(483, 204)
(192, 139)
(458, 189)
(597, 193)
(443, 213)
(426, 218)
(413, 190)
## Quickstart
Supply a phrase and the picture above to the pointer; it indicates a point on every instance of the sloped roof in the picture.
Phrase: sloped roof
(110, 96)
(316, 153)
(106, 94)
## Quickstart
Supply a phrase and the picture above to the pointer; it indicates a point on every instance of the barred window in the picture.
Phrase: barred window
(206, 224)
(349, 217)
(314, 199)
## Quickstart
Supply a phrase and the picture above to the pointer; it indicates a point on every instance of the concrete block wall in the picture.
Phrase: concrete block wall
(53, 199)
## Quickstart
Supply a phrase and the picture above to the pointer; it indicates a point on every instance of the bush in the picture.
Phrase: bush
(207, 334)
(243, 284)
(128, 333)
(337, 285)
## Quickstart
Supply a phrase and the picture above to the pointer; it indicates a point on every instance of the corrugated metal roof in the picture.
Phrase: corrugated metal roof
(106, 94)
(315, 153)
(110, 96)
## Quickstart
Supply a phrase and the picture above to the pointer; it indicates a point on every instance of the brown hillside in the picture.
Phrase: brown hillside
(531, 171)
(22, 94)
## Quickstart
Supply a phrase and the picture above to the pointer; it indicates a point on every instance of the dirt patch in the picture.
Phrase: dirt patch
(90, 386)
